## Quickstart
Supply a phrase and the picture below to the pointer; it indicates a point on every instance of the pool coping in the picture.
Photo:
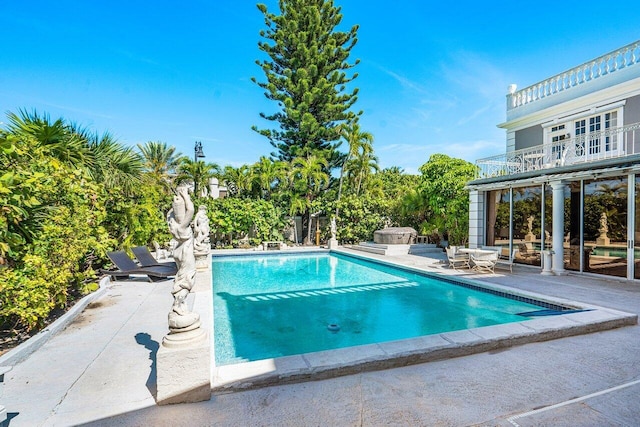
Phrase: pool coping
(391, 354)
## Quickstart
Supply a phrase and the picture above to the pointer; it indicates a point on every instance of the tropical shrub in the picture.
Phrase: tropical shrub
(233, 219)
(359, 217)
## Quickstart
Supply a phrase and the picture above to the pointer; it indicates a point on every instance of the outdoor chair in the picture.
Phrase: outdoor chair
(484, 262)
(457, 260)
(126, 266)
(146, 259)
(505, 261)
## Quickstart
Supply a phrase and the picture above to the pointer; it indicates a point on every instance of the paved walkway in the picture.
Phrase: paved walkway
(100, 370)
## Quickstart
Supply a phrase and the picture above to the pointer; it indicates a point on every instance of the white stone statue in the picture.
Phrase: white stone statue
(603, 239)
(179, 221)
(202, 242)
(334, 228)
(604, 227)
(530, 237)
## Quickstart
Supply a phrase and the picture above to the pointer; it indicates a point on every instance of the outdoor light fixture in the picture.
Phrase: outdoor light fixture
(198, 151)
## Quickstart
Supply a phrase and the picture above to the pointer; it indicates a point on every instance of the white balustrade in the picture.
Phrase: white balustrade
(609, 63)
(606, 144)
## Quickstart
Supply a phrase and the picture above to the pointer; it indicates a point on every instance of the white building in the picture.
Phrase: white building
(570, 178)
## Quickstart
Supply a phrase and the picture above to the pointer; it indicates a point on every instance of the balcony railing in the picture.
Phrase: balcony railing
(606, 144)
(626, 56)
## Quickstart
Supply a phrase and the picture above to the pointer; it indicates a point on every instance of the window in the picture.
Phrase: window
(611, 139)
(558, 135)
(580, 131)
(594, 135)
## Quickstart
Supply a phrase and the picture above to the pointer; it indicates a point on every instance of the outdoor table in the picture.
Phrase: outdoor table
(476, 252)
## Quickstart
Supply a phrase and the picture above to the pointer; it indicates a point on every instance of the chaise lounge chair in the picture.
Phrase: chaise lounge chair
(146, 259)
(127, 266)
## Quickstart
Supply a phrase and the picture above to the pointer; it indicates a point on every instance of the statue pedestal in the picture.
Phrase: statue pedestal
(603, 241)
(184, 368)
(332, 244)
(203, 262)
(546, 263)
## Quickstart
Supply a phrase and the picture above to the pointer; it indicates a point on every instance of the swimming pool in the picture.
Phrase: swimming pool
(268, 306)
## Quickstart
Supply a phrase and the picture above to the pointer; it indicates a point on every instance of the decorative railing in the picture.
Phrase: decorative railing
(606, 144)
(626, 56)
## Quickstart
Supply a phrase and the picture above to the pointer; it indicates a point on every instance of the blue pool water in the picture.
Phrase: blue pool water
(271, 305)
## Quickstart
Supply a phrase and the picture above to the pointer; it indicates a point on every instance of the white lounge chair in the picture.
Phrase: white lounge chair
(457, 260)
(505, 261)
(484, 262)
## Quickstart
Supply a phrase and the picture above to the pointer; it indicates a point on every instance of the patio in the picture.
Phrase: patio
(100, 371)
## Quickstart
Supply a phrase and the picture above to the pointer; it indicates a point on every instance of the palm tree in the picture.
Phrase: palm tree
(114, 164)
(196, 172)
(307, 177)
(63, 144)
(238, 180)
(356, 140)
(106, 160)
(160, 161)
(360, 166)
(266, 174)
(297, 205)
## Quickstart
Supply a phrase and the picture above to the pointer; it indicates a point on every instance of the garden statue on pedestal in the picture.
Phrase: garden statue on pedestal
(183, 361)
(603, 239)
(333, 242)
(179, 221)
(202, 242)
(530, 237)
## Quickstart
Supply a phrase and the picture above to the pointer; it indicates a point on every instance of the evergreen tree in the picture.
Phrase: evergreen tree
(306, 74)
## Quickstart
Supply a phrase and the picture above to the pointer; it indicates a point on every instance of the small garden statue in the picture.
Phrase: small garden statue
(333, 242)
(179, 220)
(202, 244)
(334, 229)
(603, 239)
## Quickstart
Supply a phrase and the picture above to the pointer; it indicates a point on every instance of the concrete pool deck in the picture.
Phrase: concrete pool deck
(101, 370)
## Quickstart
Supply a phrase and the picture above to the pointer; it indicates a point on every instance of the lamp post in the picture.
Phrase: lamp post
(198, 153)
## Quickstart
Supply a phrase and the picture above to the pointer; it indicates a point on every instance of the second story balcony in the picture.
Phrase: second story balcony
(611, 143)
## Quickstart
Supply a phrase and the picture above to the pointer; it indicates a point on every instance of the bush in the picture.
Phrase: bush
(359, 217)
(232, 219)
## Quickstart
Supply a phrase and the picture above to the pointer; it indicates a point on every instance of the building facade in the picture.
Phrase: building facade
(569, 181)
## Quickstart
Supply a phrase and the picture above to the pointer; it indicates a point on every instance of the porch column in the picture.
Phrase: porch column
(476, 218)
(558, 228)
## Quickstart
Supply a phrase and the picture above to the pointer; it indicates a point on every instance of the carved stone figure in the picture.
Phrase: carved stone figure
(603, 239)
(604, 226)
(202, 242)
(179, 221)
(334, 229)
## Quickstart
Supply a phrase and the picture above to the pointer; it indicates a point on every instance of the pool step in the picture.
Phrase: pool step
(396, 250)
(330, 291)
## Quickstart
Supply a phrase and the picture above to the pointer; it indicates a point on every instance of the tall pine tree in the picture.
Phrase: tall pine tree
(306, 74)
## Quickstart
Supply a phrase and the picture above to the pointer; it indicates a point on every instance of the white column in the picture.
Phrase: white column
(558, 227)
(476, 218)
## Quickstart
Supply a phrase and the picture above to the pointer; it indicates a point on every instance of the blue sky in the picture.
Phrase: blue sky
(433, 75)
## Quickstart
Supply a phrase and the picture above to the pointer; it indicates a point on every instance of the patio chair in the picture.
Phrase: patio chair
(146, 259)
(484, 262)
(505, 261)
(457, 260)
(126, 266)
